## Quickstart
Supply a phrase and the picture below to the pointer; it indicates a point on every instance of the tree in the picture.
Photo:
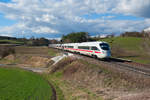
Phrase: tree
(39, 41)
(43, 41)
(75, 37)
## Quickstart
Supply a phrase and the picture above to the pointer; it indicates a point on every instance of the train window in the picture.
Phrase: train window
(94, 48)
(104, 46)
(70, 46)
(84, 47)
(80, 47)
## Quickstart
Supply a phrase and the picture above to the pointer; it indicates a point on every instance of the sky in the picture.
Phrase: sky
(54, 18)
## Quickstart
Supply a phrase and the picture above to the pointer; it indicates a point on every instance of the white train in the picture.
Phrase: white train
(94, 49)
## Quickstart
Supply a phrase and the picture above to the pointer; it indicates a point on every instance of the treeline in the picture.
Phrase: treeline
(77, 37)
(74, 37)
(135, 34)
(24, 41)
(37, 42)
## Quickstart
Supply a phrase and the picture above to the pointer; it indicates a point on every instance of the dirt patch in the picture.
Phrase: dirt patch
(28, 61)
(10, 57)
(31, 56)
(36, 61)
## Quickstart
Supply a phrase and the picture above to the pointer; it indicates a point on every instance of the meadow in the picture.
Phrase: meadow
(17, 84)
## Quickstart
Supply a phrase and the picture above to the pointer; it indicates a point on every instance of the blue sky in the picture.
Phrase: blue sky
(113, 16)
(6, 1)
(6, 22)
(53, 18)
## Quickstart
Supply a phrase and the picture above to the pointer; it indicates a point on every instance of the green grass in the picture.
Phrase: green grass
(11, 41)
(52, 78)
(17, 84)
(130, 43)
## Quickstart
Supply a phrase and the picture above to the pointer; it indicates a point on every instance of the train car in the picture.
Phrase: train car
(94, 49)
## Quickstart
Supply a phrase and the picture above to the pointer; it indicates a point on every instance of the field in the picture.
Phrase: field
(17, 84)
(30, 55)
(36, 50)
(132, 48)
(11, 42)
(72, 77)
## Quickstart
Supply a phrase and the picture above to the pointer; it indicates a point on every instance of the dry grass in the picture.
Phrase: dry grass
(96, 79)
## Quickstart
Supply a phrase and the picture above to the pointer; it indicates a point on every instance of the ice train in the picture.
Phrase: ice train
(95, 49)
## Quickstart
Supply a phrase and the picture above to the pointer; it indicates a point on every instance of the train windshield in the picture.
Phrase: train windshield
(104, 46)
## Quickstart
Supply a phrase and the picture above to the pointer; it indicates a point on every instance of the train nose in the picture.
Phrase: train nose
(107, 54)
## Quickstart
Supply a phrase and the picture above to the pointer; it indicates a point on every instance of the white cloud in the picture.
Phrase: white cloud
(134, 7)
(43, 30)
(64, 16)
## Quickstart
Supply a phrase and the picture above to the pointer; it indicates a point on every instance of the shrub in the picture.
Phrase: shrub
(6, 50)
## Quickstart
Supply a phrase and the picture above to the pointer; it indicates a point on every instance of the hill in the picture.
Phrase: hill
(10, 40)
(133, 48)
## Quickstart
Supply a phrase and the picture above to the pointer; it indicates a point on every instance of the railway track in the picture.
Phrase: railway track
(131, 67)
(120, 63)
(123, 64)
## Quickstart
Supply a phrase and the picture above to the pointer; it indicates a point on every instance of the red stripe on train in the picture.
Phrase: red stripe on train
(83, 50)
(97, 52)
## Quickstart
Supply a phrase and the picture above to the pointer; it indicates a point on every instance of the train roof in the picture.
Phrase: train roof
(95, 42)
(83, 43)
(88, 42)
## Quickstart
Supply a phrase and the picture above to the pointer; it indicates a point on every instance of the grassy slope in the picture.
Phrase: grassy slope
(71, 90)
(52, 79)
(16, 84)
(132, 45)
(11, 41)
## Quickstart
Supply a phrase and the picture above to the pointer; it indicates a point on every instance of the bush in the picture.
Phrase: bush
(6, 50)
